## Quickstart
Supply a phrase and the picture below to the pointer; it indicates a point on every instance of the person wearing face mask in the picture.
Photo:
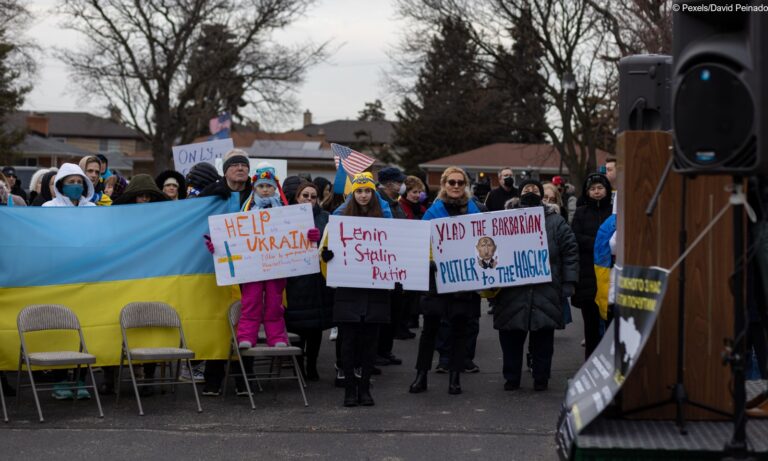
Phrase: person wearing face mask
(310, 305)
(71, 187)
(536, 310)
(457, 308)
(498, 197)
(586, 222)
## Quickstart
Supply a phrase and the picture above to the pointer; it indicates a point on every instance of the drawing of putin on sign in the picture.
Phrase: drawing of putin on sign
(486, 253)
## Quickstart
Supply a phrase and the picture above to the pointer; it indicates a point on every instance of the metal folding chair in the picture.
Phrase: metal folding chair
(153, 315)
(2, 403)
(41, 317)
(275, 356)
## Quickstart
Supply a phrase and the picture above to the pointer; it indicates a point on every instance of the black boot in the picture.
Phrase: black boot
(454, 384)
(420, 383)
(364, 391)
(350, 392)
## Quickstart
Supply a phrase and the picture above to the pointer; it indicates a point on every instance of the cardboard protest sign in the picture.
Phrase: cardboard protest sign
(280, 166)
(189, 155)
(263, 244)
(490, 250)
(377, 253)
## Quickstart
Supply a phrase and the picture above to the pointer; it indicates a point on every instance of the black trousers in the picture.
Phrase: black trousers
(428, 340)
(388, 331)
(590, 312)
(215, 370)
(309, 342)
(512, 342)
(358, 345)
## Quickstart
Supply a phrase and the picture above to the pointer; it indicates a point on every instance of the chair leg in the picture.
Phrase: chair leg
(34, 393)
(298, 377)
(194, 385)
(95, 391)
(119, 378)
(246, 380)
(135, 386)
(2, 402)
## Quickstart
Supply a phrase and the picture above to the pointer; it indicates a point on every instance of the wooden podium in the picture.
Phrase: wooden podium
(654, 241)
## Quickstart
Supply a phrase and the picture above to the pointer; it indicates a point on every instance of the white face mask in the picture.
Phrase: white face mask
(402, 189)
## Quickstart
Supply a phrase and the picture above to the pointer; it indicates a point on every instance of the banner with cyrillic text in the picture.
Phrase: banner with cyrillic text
(378, 252)
(188, 155)
(263, 244)
(490, 250)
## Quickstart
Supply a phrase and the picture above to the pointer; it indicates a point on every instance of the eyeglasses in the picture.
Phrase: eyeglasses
(311, 197)
(455, 183)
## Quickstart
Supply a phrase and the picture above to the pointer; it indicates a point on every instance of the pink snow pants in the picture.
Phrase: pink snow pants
(262, 303)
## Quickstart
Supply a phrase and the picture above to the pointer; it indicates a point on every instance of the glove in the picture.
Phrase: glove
(398, 286)
(313, 235)
(568, 290)
(223, 191)
(208, 243)
(326, 255)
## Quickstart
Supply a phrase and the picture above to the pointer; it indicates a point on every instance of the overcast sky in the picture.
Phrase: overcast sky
(363, 29)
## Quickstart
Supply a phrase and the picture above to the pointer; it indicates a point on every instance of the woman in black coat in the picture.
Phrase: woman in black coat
(309, 310)
(359, 311)
(586, 222)
(537, 309)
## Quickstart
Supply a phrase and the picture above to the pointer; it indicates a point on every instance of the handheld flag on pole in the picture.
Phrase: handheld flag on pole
(220, 126)
(354, 162)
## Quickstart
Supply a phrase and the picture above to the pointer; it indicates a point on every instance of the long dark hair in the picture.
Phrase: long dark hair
(373, 210)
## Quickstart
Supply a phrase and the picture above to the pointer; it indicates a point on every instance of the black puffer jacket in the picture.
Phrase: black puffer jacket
(586, 222)
(361, 304)
(540, 306)
(310, 301)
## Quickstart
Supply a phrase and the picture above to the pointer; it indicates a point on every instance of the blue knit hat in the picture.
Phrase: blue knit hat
(265, 175)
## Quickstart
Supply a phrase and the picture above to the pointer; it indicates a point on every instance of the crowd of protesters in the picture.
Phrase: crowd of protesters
(369, 320)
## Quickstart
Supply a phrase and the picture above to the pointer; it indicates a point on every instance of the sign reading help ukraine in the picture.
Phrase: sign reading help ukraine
(378, 252)
(263, 244)
(189, 155)
(490, 250)
(96, 260)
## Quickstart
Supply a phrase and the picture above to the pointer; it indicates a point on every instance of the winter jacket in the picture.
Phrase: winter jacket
(309, 300)
(412, 210)
(69, 169)
(448, 305)
(221, 188)
(540, 306)
(141, 184)
(386, 212)
(394, 206)
(586, 222)
(498, 197)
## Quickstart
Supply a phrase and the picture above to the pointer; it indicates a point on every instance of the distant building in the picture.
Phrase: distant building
(539, 160)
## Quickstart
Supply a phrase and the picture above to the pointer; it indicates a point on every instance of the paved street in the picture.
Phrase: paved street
(485, 422)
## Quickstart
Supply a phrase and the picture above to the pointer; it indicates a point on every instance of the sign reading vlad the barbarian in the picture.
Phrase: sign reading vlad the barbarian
(263, 244)
(490, 250)
(378, 252)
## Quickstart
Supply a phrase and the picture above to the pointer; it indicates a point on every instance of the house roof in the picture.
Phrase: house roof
(289, 150)
(34, 145)
(353, 131)
(77, 125)
(246, 138)
(541, 157)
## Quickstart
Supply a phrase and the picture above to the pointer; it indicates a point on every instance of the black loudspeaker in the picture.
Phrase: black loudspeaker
(645, 93)
(720, 101)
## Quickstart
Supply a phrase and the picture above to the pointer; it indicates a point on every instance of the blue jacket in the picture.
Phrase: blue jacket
(437, 210)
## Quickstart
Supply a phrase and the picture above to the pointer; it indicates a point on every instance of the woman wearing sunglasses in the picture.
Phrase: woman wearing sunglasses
(310, 307)
(452, 200)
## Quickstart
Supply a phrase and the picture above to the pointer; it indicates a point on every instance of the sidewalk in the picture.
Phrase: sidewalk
(484, 422)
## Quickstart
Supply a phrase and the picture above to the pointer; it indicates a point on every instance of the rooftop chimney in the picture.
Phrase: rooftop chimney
(307, 118)
(37, 123)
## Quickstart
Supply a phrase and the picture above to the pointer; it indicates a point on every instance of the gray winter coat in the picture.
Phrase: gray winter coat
(540, 306)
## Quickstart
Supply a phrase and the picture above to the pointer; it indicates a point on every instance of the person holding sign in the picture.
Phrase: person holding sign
(537, 309)
(452, 200)
(359, 311)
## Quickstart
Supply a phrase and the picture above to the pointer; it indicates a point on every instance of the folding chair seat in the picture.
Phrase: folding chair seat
(44, 317)
(161, 316)
(274, 355)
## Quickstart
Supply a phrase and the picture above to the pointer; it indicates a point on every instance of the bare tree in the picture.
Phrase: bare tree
(138, 52)
(580, 81)
(637, 26)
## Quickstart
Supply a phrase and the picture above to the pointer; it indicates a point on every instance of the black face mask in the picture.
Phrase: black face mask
(509, 182)
(530, 199)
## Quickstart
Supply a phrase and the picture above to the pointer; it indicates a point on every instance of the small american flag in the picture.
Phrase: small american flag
(222, 122)
(354, 162)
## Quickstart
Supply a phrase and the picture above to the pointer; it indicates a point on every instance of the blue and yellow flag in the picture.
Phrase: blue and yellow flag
(604, 263)
(95, 260)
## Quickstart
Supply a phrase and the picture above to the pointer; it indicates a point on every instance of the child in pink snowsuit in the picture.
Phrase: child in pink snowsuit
(263, 301)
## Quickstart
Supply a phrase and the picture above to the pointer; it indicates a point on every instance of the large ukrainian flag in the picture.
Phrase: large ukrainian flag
(95, 260)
